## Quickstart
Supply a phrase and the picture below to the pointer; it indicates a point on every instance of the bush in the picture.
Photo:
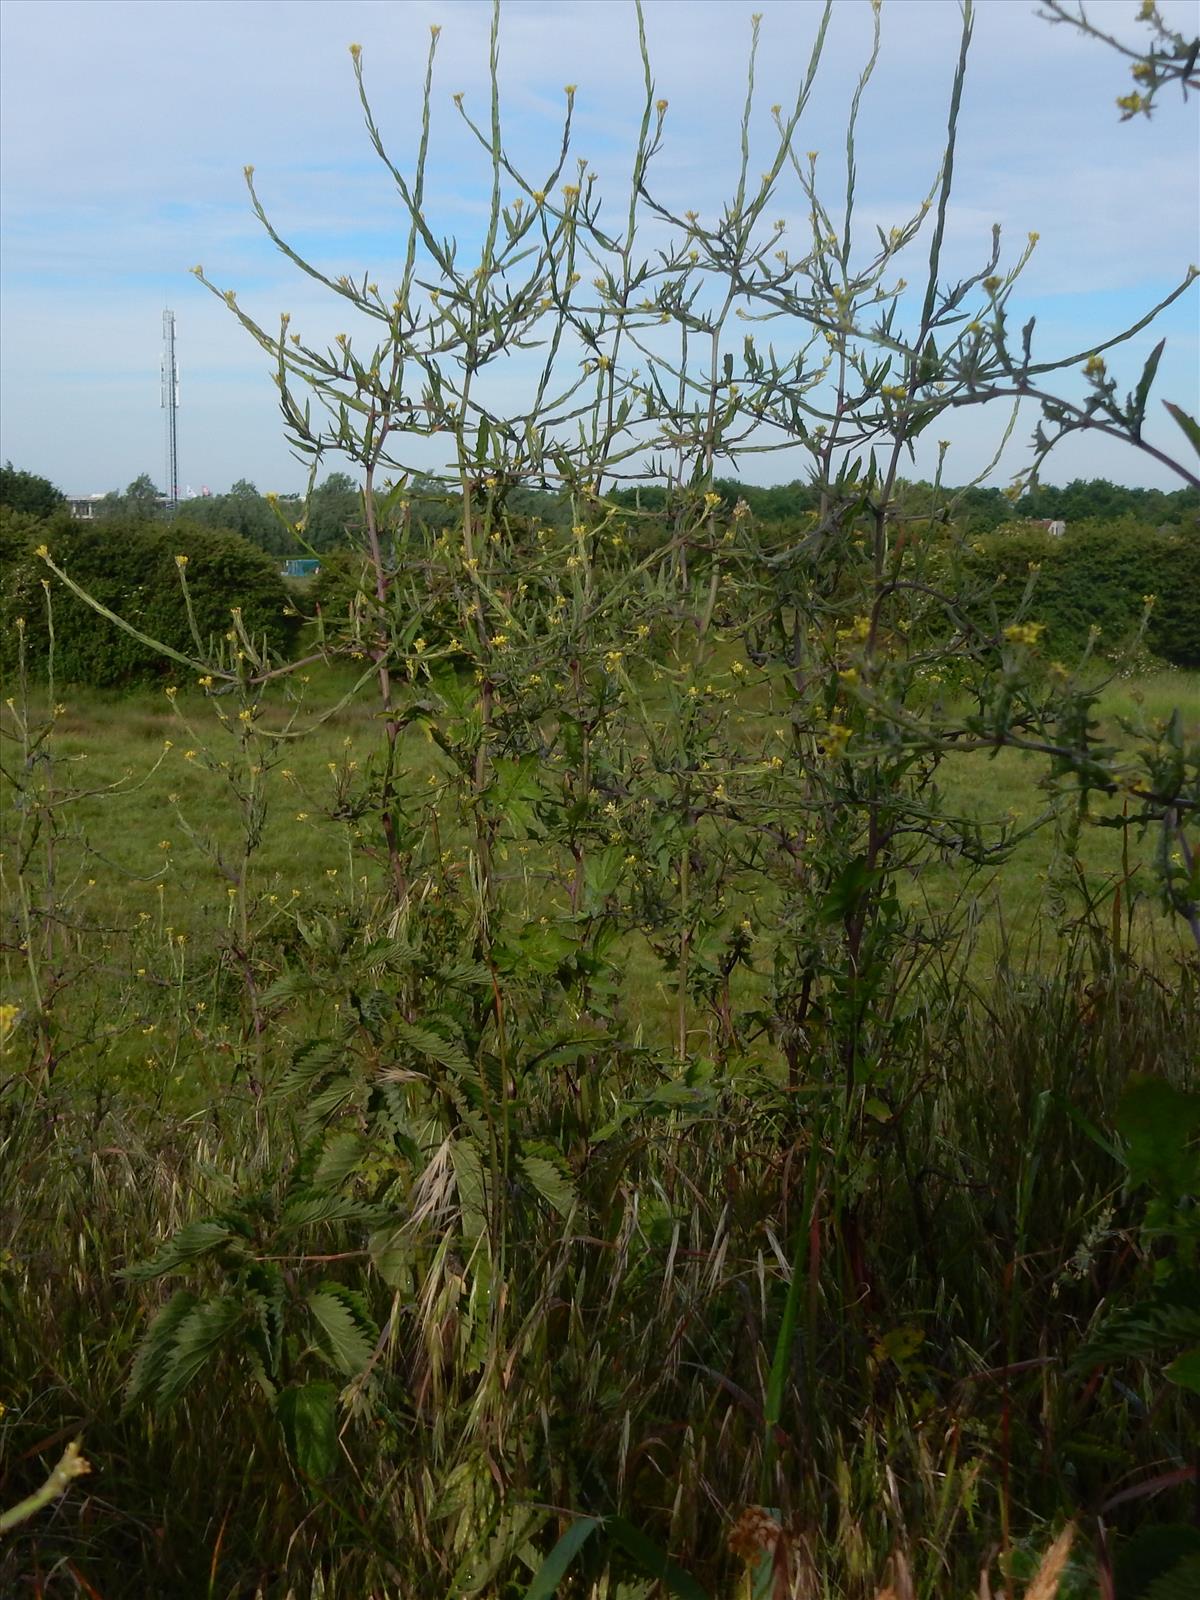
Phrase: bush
(1174, 631)
(1097, 576)
(130, 567)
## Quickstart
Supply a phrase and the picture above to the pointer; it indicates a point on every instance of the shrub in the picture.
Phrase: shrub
(130, 567)
(1097, 576)
(1174, 631)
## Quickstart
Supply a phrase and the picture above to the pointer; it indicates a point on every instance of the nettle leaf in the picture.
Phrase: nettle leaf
(1185, 1370)
(447, 1053)
(1181, 1583)
(197, 1342)
(470, 1181)
(344, 1331)
(194, 1240)
(391, 1255)
(340, 1157)
(308, 1416)
(1160, 1125)
(311, 1060)
(154, 1353)
(307, 1210)
(552, 1180)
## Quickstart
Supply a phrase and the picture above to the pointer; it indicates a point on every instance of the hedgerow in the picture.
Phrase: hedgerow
(133, 569)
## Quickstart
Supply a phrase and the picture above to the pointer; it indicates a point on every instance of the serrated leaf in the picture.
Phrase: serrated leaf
(196, 1343)
(1142, 392)
(308, 1416)
(340, 1156)
(653, 1561)
(553, 1182)
(340, 1332)
(1181, 1583)
(308, 1210)
(154, 1352)
(193, 1240)
(447, 1053)
(471, 1184)
(390, 1255)
(1185, 1370)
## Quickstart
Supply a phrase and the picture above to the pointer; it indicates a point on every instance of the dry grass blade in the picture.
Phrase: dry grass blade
(1049, 1574)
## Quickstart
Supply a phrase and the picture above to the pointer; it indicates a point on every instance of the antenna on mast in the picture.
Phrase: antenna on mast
(170, 402)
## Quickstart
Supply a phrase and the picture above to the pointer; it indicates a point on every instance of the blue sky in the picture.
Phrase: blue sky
(126, 126)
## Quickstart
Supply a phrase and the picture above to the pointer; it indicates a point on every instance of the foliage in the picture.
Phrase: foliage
(131, 569)
(142, 501)
(1097, 586)
(27, 493)
(621, 1141)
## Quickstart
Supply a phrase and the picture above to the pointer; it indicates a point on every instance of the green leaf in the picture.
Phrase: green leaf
(782, 1359)
(554, 1568)
(154, 1353)
(447, 1053)
(471, 1184)
(652, 1560)
(311, 1209)
(391, 1255)
(1142, 392)
(553, 1182)
(197, 1341)
(1189, 425)
(194, 1239)
(346, 1337)
(1159, 1124)
(308, 1416)
(1185, 1370)
(339, 1158)
(1181, 1583)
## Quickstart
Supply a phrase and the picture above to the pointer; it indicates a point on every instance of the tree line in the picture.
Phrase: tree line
(334, 512)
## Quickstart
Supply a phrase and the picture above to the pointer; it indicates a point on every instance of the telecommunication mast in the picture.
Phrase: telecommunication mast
(170, 401)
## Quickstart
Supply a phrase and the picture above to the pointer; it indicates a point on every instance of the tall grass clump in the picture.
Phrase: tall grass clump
(616, 1173)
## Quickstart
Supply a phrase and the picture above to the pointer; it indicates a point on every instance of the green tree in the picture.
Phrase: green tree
(334, 512)
(25, 491)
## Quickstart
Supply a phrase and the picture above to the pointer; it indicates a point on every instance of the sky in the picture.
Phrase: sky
(126, 125)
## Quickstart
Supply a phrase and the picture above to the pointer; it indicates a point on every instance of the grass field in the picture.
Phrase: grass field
(694, 1289)
(143, 837)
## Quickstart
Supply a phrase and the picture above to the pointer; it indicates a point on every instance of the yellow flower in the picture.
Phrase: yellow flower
(181, 561)
(171, 691)
(1027, 633)
(245, 715)
(8, 1019)
(660, 105)
(835, 739)
(43, 550)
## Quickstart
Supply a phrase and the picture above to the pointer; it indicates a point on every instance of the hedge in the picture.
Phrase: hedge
(1097, 575)
(130, 567)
